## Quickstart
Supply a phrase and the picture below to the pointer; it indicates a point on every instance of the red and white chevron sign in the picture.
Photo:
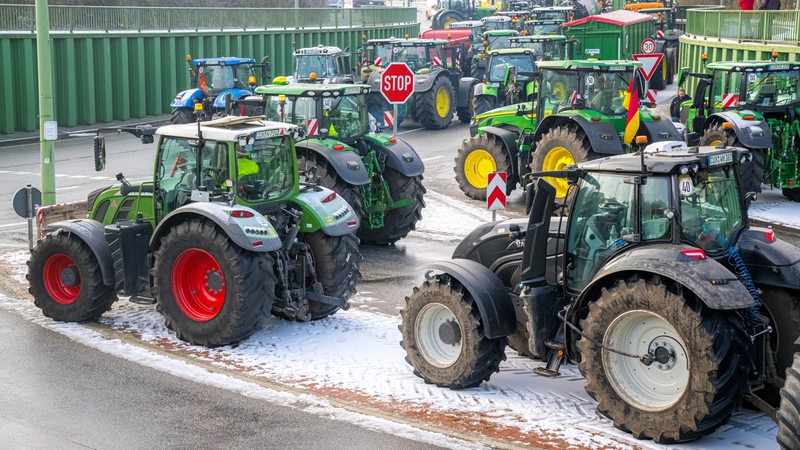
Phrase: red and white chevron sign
(377, 61)
(388, 118)
(311, 127)
(437, 61)
(729, 99)
(660, 34)
(651, 95)
(496, 191)
(573, 97)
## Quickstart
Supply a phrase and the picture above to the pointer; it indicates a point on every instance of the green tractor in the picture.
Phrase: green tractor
(438, 90)
(380, 176)
(537, 27)
(450, 11)
(754, 104)
(322, 64)
(581, 104)
(222, 235)
(510, 75)
(479, 54)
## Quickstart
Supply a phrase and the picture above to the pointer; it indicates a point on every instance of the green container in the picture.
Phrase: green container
(614, 35)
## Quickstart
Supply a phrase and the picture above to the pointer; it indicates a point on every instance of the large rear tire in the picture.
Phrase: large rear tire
(398, 222)
(789, 411)
(182, 115)
(336, 260)
(443, 336)
(752, 172)
(782, 308)
(65, 279)
(695, 381)
(484, 103)
(559, 148)
(210, 291)
(325, 175)
(435, 107)
(464, 113)
(476, 159)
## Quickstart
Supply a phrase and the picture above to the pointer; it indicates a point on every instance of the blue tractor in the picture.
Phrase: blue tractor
(216, 84)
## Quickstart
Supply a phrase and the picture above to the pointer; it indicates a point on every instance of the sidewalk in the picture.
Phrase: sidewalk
(32, 137)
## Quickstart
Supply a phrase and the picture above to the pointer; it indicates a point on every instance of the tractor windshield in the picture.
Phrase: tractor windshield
(545, 50)
(345, 116)
(265, 167)
(605, 91)
(415, 57)
(522, 64)
(711, 212)
(382, 54)
(320, 66)
(215, 79)
(558, 90)
(774, 88)
(496, 42)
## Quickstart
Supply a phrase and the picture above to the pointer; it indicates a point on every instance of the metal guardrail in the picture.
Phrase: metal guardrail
(755, 26)
(86, 19)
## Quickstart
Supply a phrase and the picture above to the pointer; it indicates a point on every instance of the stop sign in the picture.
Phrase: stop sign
(397, 83)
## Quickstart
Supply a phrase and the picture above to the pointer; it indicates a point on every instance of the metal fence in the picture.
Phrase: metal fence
(755, 26)
(82, 19)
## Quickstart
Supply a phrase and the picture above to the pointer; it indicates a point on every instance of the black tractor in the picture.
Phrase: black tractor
(647, 275)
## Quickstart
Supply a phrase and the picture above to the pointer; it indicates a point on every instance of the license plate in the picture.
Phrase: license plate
(716, 160)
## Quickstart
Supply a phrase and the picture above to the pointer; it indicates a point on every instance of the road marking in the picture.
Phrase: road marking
(432, 158)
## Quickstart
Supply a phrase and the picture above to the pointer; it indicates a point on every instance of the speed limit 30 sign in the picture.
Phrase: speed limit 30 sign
(648, 46)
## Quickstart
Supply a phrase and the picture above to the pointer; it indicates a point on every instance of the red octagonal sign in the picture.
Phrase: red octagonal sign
(397, 83)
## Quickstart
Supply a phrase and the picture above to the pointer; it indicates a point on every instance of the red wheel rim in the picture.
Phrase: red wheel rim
(198, 285)
(62, 279)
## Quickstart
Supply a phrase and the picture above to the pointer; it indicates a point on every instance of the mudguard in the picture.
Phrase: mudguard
(424, 83)
(402, 158)
(509, 139)
(333, 216)
(602, 136)
(661, 130)
(236, 93)
(488, 242)
(92, 233)
(186, 99)
(775, 263)
(715, 285)
(348, 165)
(751, 133)
(493, 301)
(465, 89)
(255, 233)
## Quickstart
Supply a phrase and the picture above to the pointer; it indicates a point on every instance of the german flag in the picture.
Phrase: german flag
(631, 103)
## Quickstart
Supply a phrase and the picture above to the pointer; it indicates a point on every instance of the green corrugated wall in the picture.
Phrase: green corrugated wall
(118, 76)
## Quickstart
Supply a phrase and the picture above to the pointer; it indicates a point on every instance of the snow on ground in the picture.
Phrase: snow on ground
(355, 356)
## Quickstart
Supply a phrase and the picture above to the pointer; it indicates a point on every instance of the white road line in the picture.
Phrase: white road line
(11, 225)
(432, 158)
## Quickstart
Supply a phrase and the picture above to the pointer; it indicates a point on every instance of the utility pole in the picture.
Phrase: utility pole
(48, 129)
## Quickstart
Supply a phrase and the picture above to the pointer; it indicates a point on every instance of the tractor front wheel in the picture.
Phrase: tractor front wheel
(182, 115)
(476, 159)
(65, 279)
(693, 379)
(789, 411)
(325, 175)
(464, 113)
(397, 222)
(559, 148)
(443, 336)
(210, 291)
(435, 107)
(484, 103)
(336, 260)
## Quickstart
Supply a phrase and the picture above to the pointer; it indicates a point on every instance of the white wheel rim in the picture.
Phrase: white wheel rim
(435, 350)
(661, 384)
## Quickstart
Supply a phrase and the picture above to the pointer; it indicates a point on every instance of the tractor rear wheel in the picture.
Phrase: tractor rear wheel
(336, 260)
(558, 148)
(66, 281)
(210, 291)
(182, 115)
(752, 172)
(484, 103)
(476, 159)
(435, 107)
(782, 308)
(398, 222)
(443, 336)
(464, 113)
(789, 411)
(792, 194)
(694, 380)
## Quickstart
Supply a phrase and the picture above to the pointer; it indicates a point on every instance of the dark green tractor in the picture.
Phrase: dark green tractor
(578, 114)
(754, 104)
(379, 175)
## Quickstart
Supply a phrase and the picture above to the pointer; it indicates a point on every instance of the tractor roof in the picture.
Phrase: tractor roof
(466, 24)
(512, 51)
(318, 50)
(312, 89)
(667, 161)
(223, 61)
(553, 8)
(230, 128)
(496, 19)
(537, 38)
(752, 66)
(418, 42)
(590, 64)
(500, 33)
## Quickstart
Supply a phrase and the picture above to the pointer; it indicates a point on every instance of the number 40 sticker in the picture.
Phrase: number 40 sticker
(685, 185)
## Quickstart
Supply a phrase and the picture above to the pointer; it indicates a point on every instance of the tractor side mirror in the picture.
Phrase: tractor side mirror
(699, 94)
(682, 74)
(266, 68)
(99, 153)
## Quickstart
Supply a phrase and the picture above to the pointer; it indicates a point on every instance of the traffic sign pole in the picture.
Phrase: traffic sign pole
(394, 122)
(397, 85)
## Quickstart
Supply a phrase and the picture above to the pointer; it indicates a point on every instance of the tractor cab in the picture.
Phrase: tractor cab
(536, 27)
(545, 48)
(497, 22)
(558, 13)
(322, 64)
